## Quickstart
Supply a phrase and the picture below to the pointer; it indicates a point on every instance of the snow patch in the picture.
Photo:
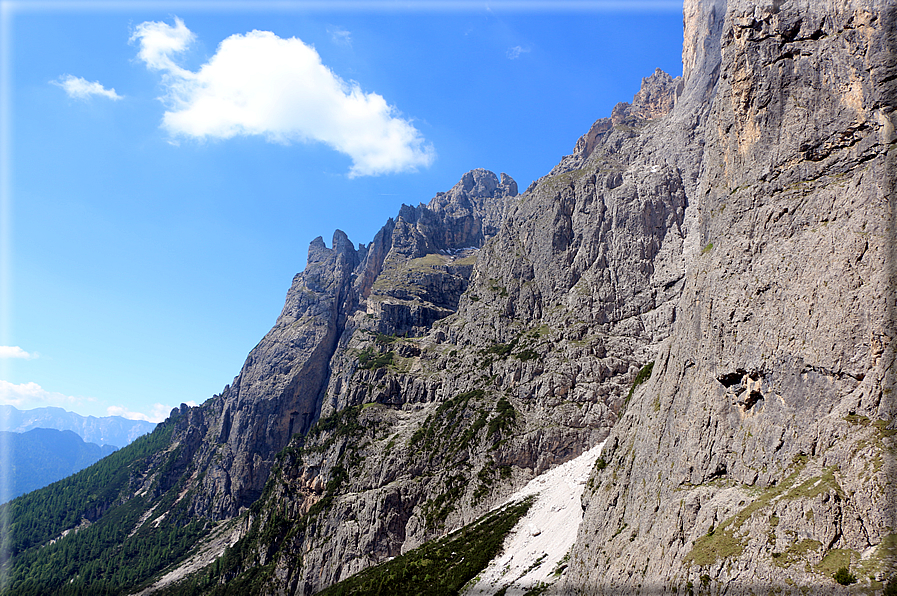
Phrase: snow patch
(537, 546)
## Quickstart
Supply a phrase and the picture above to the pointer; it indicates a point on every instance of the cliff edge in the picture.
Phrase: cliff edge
(759, 455)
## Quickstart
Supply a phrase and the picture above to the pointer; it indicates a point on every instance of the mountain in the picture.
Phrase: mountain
(761, 450)
(705, 284)
(106, 430)
(43, 455)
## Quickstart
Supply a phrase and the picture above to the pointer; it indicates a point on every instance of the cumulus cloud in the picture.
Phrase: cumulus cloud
(157, 413)
(79, 88)
(16, 352)
(261, 84)
(514, 53)
(31, 395)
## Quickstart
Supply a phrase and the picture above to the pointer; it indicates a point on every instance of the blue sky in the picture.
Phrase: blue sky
(165, 165)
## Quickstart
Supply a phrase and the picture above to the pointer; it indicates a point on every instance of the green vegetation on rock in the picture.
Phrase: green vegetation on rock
(641, 376)
(369, 359)
(504, 418)
(844, 577)
(88, 534)
(441, 567)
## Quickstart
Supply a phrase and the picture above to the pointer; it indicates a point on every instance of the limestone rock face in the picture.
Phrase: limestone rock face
(469, 366)
(419, 264)
(410, 276)
(277, 392)
(760, 453)
(734, 226)
(657, 96)
(478, 192)
(655, 99)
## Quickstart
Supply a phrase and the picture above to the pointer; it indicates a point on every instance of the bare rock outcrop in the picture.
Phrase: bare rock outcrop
(759, 456)
(655, 99)
(409, 277)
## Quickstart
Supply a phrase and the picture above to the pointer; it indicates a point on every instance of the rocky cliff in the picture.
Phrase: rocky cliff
(706, 282)
(760, 452)
(422, 433)
(410, 276)
(477, 341)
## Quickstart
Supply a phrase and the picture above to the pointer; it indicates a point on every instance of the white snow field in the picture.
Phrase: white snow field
(536, 547)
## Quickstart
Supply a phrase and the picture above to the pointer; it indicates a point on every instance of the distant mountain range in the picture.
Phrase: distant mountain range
(42, 456)
(108, 430)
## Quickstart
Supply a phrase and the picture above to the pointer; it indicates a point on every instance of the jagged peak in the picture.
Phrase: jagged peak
(476, 184)
(656, 98)
(341, 242)
(318, 251)
(483, 183)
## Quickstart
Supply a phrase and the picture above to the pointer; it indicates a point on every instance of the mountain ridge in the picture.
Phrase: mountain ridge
(41, 456)
(489, 376)
(704, 282)
(104, 430)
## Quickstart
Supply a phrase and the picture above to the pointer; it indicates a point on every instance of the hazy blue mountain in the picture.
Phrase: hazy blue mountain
(108, 430)
(42, 456)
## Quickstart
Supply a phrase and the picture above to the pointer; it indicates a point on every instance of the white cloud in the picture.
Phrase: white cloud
(340, 36)
(79, 88)
(261, 84)
(514, 53)
(31, 395)
(16, 352)
(158, 41)
(158, 412)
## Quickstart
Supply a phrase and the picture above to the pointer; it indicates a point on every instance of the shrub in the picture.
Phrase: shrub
(369, 360)
(504, 418)
(382, 338)
(500, 350)
(526, 354)
(844, 577)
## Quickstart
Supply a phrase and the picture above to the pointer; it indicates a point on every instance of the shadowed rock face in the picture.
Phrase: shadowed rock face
(278, 389)
(420, 263)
